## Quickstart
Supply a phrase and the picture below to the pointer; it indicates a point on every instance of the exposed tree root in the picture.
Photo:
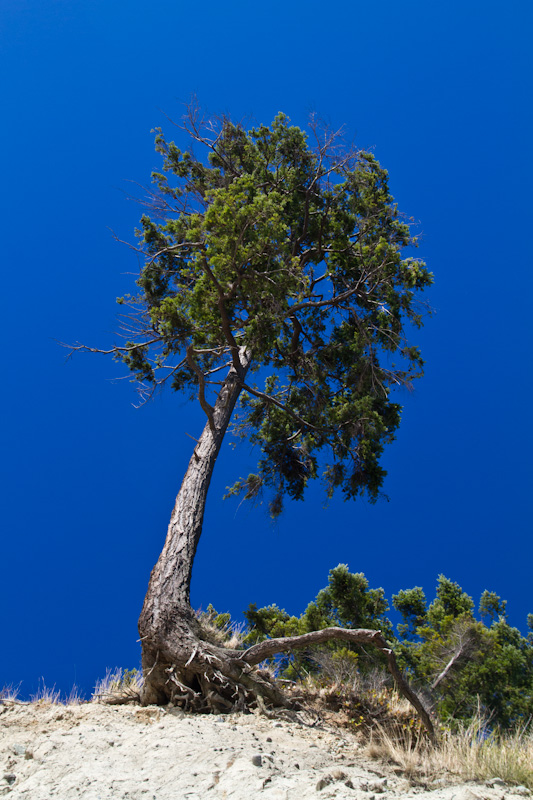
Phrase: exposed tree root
(217, 680)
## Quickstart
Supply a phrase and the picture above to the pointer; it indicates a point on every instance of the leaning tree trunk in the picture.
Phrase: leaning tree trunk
(180, 665)
(174, 658)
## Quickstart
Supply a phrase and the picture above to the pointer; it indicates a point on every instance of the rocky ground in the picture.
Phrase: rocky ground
(100, 752)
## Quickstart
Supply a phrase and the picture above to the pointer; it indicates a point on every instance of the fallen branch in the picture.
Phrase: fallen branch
(259, 652)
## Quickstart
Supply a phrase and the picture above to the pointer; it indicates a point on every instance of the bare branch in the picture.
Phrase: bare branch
(116, 349)
(334, 301)
(464, 638)
(201, 391)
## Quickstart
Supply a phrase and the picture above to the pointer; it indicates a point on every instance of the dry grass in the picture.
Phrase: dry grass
(9, 693)
(118, 687)
(74, 698)
(360, 701)
(228, 634)
(366, 704)
(509, 756)
(465, 754)
(362, 705)
(45, 695)
(340, 669)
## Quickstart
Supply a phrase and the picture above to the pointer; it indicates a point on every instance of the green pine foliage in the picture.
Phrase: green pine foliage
(346, 602)
(288, 244)
(465, 665)
(470, 663)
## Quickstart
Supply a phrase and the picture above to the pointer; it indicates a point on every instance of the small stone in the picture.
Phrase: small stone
(10, 778)
(323, 782)
(496, 782)
(19, 749)
(296, 766)
(464, 793)
(257, 760)
(522, 790)
(378, 786)
(269, 739)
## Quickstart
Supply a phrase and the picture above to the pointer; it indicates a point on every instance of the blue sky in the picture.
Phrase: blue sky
(441, 92)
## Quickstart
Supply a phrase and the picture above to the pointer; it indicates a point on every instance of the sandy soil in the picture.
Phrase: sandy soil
(103, 752)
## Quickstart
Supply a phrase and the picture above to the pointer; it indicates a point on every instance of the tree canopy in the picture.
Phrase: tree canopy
(288, 246)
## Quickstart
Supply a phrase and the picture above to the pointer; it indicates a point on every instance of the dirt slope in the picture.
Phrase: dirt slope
(99, 752)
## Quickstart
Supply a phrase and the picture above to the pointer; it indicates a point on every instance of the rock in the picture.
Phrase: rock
(257, 760)
(323, 782)
(335, 775)
(522, 790)
(19, 749)
(464, 793)
(378, 786)
(10, 778)
(496, 782)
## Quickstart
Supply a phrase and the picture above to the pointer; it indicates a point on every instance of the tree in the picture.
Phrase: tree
(469, 665)
(279, 261)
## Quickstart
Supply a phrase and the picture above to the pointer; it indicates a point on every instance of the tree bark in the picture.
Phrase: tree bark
(180, 664)
(168, 627)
